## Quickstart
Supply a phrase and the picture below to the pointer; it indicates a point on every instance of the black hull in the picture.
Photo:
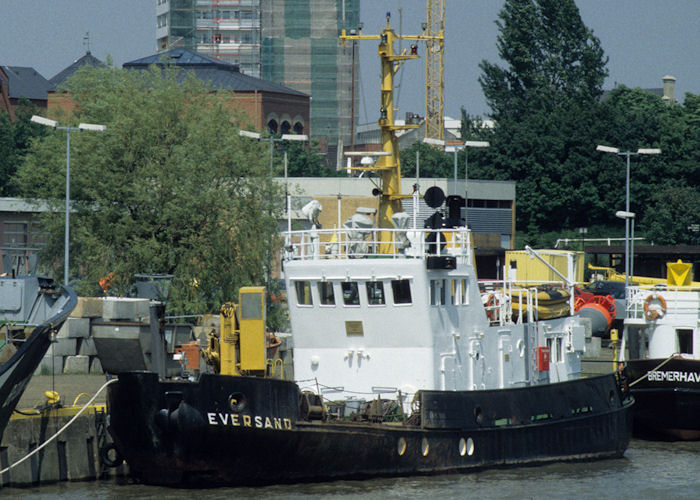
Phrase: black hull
(668, 405)
(186, 434)
(18, 370)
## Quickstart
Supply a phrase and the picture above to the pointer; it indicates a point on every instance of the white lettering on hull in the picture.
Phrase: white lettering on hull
(252, 421)
(659, 376)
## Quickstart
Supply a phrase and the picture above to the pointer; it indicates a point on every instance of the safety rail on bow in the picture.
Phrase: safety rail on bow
(673, 299)
(355, 243)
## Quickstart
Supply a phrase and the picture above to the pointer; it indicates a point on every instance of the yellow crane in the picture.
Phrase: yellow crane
(435, 70)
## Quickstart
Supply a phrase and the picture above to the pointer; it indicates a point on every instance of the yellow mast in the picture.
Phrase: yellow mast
(388, 166)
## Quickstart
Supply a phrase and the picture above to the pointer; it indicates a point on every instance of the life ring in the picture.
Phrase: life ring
(107, 458)
(489, 307)
(654, 313)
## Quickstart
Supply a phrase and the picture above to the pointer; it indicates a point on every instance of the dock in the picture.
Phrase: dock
(75, 455)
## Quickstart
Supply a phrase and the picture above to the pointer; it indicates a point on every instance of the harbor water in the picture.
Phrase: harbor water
(649, 469)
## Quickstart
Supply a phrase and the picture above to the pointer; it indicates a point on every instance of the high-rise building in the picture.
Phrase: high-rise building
(228, 30)
(290, 42)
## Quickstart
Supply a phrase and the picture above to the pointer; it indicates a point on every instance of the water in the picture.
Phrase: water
(649, 469)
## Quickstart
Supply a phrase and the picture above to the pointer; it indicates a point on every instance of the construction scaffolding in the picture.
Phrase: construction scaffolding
(435, 71)
(300, 49)
(228, 30)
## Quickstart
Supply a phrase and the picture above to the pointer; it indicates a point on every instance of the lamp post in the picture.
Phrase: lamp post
(272, 140)
(82, 126)
(627, 215)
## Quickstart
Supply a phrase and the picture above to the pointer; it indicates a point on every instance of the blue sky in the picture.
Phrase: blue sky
(644, 39)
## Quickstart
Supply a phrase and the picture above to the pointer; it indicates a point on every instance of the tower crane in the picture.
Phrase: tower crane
(435, 70)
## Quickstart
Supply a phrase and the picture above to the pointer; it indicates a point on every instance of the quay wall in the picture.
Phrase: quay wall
(75, 455)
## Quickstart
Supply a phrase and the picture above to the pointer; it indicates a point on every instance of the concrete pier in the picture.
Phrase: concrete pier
(75, 454)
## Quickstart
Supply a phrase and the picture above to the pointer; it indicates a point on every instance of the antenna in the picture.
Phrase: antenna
(86, 41)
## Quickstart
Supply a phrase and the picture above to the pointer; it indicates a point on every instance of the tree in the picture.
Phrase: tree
(552, 57)
(161, 191)
(546, 112)
(663, 188)
(305, 161)
(673, 219)
(15, 139)
(433, 161)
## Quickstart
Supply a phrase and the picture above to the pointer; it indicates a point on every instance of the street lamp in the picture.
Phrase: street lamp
(626, 214)
(82, 126)
(272, 140)
(622, 214)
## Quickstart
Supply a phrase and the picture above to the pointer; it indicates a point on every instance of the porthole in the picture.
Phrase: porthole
(424, 447)
(478, 417)
(470, 447)
(237, 402)
(401, 446)
(462, 447)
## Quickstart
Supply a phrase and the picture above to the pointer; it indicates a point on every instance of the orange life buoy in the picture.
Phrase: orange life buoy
(490, 310)
(652, 313)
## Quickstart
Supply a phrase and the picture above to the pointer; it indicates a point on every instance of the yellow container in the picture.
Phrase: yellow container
(521, 267)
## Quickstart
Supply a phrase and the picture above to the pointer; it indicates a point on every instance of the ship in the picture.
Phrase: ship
(400, 367)
(661, 351)
(32, 310)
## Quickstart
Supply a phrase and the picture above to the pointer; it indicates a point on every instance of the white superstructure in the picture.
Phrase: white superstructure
(365, 323)
(662, 321)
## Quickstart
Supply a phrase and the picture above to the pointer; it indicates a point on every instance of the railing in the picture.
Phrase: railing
(503, 297)
(677, 299)
(357, 243)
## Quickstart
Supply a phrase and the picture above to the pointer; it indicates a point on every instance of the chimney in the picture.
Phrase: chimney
(669, 89)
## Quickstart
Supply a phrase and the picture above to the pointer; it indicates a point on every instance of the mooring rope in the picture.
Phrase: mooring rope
(654, 369)
(68, 424)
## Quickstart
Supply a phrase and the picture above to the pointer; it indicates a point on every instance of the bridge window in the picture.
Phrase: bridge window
(685, 340)
(303, 290)
(401, 290)
(458, 291)
(351, 294)
(437, 292)
(325, 293)
(375, 293)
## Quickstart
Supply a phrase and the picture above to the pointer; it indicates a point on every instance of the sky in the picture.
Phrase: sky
(644, 40)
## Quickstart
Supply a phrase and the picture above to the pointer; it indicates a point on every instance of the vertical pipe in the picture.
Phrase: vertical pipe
(454, 189)
(627, 223)
(157, 313)
(466, 186)
(66, 247)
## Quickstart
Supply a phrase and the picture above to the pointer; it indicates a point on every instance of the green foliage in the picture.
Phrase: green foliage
(305, 161)
(161, 191)
(15, 139)
(673, 218)
(664, 189)
(433, 161)
(552, 58)
(549, 120)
